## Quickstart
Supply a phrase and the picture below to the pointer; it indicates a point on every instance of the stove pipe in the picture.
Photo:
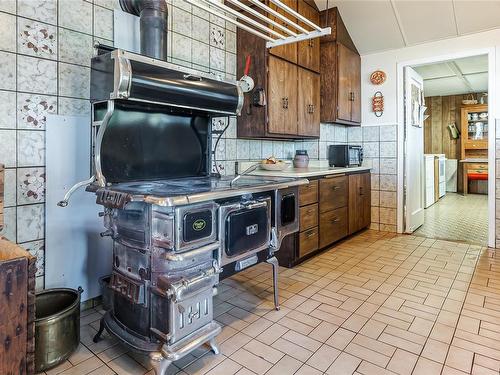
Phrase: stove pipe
(153, 20)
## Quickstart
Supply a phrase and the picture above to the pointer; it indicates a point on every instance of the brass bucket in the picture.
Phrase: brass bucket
(57, 326)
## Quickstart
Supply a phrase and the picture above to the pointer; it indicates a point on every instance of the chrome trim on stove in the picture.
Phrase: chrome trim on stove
(100, 179)
(122, 77)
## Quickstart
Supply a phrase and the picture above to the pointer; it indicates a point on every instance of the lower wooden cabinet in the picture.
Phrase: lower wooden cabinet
(308, 241)
(332, 226)
(331, 208)
(359, 201)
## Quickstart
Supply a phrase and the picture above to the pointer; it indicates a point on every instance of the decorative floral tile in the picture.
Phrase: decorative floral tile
(103, 23)
(36, 38)
(76, 15)
(200, 30)
(74, 81)
(7, 110)
(32, 110)
(9, 224)
(201, 53)
(73, 107)
(7, 71)
(41, 10)
(217, 57)
(30, 185)
(9, 187)
(31, 148)
(181, 21)
(37, 249)
(8, 39)
(219, 123)
(8, 149)
(30, 222)
(75, 47)
(217, 36)
(36, 75)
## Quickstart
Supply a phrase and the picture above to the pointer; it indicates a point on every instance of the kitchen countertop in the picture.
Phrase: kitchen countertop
(315, 169)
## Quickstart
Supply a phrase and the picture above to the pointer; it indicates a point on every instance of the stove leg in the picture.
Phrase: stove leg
(214, 346)
(159, 363)
(97, 336)
(274, 262)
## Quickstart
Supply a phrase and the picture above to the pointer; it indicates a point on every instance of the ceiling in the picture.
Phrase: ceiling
(378, 25)
(460, 76)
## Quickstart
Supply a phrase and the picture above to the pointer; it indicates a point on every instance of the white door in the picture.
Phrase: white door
(414, 151)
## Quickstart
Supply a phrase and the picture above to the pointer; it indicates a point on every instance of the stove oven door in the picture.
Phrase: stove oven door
(245, 229)
(286, 214)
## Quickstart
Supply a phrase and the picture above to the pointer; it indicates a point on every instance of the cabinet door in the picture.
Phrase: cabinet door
(359, 201)
(328, 82)
(344, 89)
(332, 226)
(287, 51)
(356, 88)
(308, 102)
(308, 50)
(276, 95)
(291, 96)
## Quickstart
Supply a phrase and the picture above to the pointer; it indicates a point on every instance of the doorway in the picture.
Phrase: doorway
(448, 149)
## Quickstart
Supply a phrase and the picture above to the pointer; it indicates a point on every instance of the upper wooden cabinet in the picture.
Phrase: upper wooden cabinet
(282, 97)
(287, 51)
(308, 50)
(290, 86)
(307, 103)
(340, 73)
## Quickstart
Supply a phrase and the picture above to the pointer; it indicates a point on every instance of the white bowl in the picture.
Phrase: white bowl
(278, 166)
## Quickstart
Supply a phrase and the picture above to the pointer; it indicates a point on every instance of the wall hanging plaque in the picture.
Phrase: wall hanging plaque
(378, 77)
(378, 104)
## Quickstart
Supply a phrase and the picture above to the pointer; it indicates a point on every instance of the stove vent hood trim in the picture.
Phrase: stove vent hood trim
(112, 77)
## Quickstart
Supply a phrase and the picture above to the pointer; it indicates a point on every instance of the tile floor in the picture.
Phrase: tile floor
(458, 218)
(377, 303)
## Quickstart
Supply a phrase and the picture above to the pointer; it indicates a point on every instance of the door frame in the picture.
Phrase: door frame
(492, 102)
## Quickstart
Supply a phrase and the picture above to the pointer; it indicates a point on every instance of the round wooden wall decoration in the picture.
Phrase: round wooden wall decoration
(378, 77)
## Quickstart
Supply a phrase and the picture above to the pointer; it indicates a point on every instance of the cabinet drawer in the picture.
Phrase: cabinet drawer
(478, 167)
(308, 193)
(333, 193)
(308, 216)
(308, 241)
(332, 226)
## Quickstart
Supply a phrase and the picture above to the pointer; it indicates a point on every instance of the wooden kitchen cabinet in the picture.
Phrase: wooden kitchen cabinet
(359, 201)
(333, 192)
(287, 51)
(340, 74)
(332, 226)
(308, 103)
(287, 81)
(282, 98)
(308, 50)
(331, 208)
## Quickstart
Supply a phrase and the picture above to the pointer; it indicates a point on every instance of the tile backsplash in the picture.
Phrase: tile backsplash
(45, 53)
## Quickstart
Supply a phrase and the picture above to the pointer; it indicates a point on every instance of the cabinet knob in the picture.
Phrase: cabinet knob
(335, 220)
(311, 43)
(285, 102)
(335, 187)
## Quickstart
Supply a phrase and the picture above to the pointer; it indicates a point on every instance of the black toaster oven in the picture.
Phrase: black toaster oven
(345, 155)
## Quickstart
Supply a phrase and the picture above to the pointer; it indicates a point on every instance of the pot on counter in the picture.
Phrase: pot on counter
(57, 326)
(301, 159)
